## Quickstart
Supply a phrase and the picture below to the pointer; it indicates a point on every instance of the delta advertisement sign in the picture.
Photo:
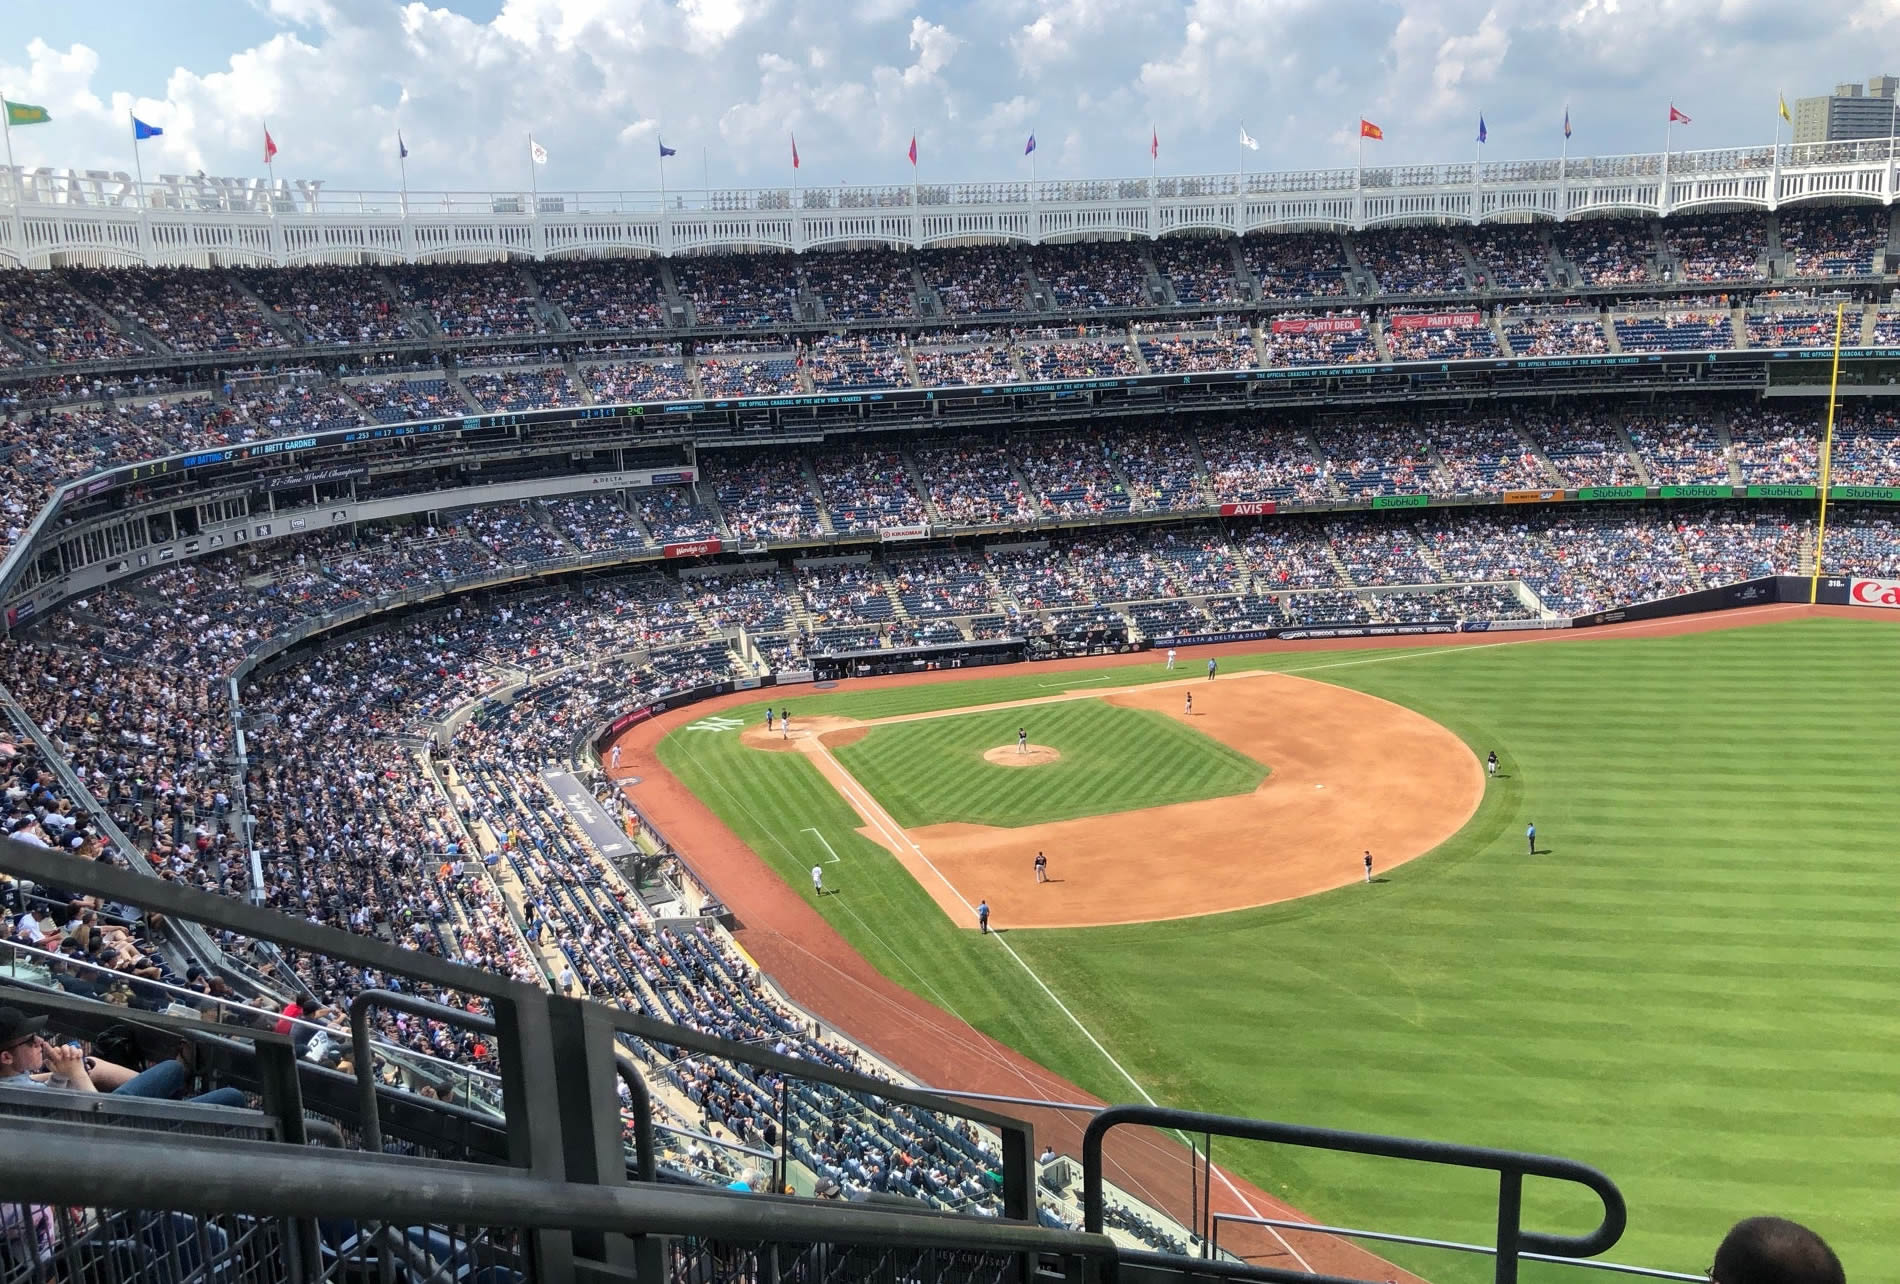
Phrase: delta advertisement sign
(1434, 320)
(1318, 325)
(1875, 593)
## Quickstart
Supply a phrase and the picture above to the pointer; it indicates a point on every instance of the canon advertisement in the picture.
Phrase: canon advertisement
(1875, 593)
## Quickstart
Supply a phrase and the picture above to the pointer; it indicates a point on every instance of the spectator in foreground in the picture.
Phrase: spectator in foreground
(28, 1060)
(1774, 1250)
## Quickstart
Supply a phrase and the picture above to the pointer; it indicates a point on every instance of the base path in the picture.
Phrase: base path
(806, 956)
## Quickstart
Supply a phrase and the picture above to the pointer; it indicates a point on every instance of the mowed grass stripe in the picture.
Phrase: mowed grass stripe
(1690, 990)
(932, 771)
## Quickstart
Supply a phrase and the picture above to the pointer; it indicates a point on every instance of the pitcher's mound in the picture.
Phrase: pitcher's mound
(1011, 756)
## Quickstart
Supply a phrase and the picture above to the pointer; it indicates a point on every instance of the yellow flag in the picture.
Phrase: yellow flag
(1784, 109)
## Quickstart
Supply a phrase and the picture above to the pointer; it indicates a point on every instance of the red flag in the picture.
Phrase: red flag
(1676, 117)
(794, 151)
(1369, 130)
(913, 150)
(1154, 143)
(270, 148)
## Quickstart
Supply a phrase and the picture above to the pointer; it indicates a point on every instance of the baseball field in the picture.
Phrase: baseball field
(1687, 984)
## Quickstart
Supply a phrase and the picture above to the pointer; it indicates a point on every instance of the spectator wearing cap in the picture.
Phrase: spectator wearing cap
(28, 1060)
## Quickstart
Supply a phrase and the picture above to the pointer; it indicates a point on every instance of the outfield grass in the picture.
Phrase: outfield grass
(1691, 989)
(1113, 759)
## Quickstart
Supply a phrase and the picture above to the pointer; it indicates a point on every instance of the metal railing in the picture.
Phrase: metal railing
(1511, 1166)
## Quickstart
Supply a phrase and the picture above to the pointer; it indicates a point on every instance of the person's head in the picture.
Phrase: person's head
(22, 1050)
(1774, 1250)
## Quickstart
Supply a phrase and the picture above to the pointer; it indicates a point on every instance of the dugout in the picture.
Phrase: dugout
(915, 659)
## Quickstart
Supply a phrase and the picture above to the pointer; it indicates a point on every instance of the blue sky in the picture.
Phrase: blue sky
(726, 82)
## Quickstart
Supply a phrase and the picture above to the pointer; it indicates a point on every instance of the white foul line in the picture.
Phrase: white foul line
(821, 838)
(886, 824)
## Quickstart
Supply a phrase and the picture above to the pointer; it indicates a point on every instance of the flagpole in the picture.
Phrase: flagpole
(1893, 120)
(402, 162)
(13, 181)
(1774, 156)
(270, 168)
(534, 180)
(705, 169)
(138, 167)
(1662, 193)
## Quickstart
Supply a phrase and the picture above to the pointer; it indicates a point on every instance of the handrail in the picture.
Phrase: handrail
(52, 1162)
(1512, 1167)
(1387, 1237)
(361, 1053)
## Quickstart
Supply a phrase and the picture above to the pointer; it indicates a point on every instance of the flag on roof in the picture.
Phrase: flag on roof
(27, 114)
(1676, 117)
(1784, 107)
(1029, 146)
(1566, 122)
(1483, 133)
(1369, 130)
(913, 150)
(794, 151)
(270, 146)
(537, 153)
(1154, 143)
(142, 131)
(1248, 141)
(402, 148)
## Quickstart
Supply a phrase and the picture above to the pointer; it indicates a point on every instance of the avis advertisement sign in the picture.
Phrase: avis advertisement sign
(1434, 320)
(1258, 508)
(1318, 325)
(696, 548)
(1875, 593)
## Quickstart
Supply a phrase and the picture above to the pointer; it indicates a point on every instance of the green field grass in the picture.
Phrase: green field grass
(1691, 989)
(1113, 759)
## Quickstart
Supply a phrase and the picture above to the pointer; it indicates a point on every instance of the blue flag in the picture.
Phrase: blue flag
(1030, 146)
(666, 151)
(1566, 122)
(142, 131)
(402, 148)
(1482, 134)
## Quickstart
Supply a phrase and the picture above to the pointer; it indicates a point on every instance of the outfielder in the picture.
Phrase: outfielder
(817, 880)
(1491, 765)
(1170, 659)
(613, 757)
(1368, 868)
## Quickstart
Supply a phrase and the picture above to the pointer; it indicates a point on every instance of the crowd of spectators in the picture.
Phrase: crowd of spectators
(1783, 327)
(675, 515)
(330, 305)
(1413, 260)
(977, 280)
(1296, 265)
(1485, 454)
(964, 367)
(866, 488)
(1160, 465)
(595, 523)
(605, 294)
(392, 401)
(1188, 354)
(1201, 268)
(1293, 341)
(758, 290)
(1070, 473)
(1378, 459)
(1775, 446)
(1080, 359)
(862, 285)
(521, 389)
(1866, 447)
(53, 323)
(1833, 242)
(514, 533)
(1606, 251)
(1510, 257)
(1863, 539)
(1681, 446)
(618, 381)
(1440, 343)
(1717, 247)
(294, 408)
(470, 300)
(763, 495)
(1104, 274)
(1530, 335)
(1252, 461)
(189, 310)
(972, 481)
(1675, 332)
(857, 361)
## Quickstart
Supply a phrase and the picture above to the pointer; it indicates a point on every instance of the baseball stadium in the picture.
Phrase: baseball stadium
(1324, 725)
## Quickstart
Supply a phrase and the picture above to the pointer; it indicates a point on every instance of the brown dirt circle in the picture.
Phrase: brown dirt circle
(1012, 756)
(781, 929)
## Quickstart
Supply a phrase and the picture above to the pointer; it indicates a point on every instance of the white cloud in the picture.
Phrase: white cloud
(597, 79)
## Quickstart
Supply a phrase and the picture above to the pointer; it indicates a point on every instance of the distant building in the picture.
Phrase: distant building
(1848, 112)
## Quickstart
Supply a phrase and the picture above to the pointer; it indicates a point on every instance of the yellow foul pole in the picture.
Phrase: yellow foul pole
(1827, 453)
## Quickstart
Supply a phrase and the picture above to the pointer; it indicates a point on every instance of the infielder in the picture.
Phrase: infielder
(1022, 740)
(1170, 659)
(817, 880)
(1368, 868)
(613, 757)
(1042, 868)
(1189, 711)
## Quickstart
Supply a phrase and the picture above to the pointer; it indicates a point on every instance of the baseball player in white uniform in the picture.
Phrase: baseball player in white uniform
(817, 880)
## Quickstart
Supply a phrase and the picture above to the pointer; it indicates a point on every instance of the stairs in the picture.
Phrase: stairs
(676, 311)
(1243, 275)
(1473, 269)
(581, 389)
(915, 475)
(286, 329)
(1544, 461)
(1635, 455)
(551, 317)
(925, 299)
(1379, 344)
(1325, 466)
(1339, 565)
(810, 475)
(1609, 332)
